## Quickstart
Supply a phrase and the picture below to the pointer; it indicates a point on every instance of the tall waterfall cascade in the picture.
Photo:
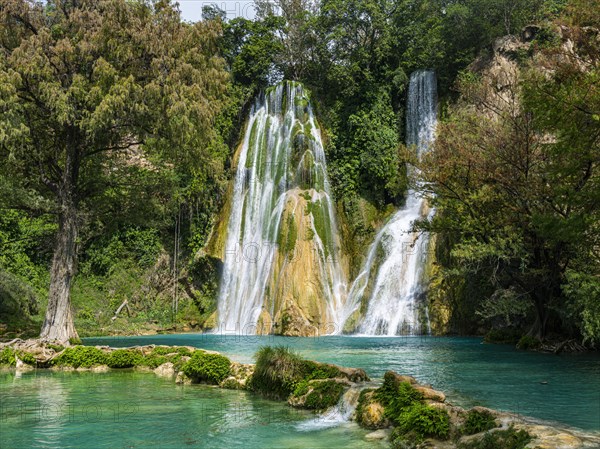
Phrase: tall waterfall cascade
(282, 271)
(390, 283)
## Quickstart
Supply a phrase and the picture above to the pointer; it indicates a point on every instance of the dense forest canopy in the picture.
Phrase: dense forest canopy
(119, 123)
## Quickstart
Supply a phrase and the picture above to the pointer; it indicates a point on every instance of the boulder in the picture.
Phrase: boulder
(165, 370)
(182, 379)
(430, 394)
(353, 374)
(380, 434)
(370, 413)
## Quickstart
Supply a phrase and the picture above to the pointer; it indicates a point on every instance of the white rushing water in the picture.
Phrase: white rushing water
(281, 159)
(337, 415)
(397, 253)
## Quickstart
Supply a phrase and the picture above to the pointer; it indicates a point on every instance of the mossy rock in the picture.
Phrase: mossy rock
(317, 394)
(370, 413)
(207, 367)
(81, 356)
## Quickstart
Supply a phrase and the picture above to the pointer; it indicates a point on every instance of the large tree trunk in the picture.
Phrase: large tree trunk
(58, 324)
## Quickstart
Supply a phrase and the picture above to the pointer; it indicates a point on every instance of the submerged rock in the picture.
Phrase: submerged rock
(380, 434)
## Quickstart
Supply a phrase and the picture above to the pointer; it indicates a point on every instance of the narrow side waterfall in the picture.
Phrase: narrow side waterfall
(398, 255)
(281, 268)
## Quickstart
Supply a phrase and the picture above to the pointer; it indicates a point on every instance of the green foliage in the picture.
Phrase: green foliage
(124, 358)
(396, 396)
(277, 372)
(500, 439)
(203, 366)
(314, 370)
(81, 356)
(324, 394)
(423, 421)
(55, 348)
(478, 421)
(7, 357)
(503, 336)
(280, 372)
(583, 290)
(26, 357)
(528, 342)
(107, 253)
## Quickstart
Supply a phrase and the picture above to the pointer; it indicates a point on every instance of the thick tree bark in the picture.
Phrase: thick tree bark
(58, 324)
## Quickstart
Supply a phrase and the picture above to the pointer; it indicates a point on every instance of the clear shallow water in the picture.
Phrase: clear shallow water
(469, 372)
(126, 409)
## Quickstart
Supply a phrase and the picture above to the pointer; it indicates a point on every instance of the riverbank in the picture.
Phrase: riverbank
(309, 385)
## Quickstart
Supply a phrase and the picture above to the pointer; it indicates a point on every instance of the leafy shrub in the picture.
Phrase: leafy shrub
(396, 396)
(124, 358)
(26, 357)
(324, 394)
(424, 421)
(184, 351)
(154, 360)
(84, 356)
(503, 336)
(528, 342)
(500, 439)
(478, 421)
(165, 350)
(203, 366)
(7, 357)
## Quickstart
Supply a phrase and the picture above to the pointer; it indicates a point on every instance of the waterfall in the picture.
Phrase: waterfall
(398, 255)
(281, 169)
(341, 413)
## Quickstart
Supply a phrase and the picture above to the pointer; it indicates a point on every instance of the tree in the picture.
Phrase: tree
(515, 176)
(91, 93)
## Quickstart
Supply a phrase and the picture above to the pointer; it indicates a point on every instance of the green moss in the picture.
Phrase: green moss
(324, 394)
(81, 356)
(154, 360)
(165, 350)
(292, 236)
(478, 421)
(124, 358)
(75, 341)
(364, 399)
(26, 357)
(314, 370)
(203, 366)
(7, 357)
(500, 439)
(301, 388)
(423, 421)
(56, 348)
(396, 396)
(280, 372)
(321, 222)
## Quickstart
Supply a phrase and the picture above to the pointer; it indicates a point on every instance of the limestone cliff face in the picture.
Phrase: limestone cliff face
(300, 299)
(277, 234)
